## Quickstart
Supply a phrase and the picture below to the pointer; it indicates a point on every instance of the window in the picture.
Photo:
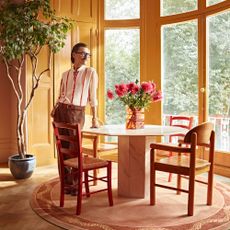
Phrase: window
(121, 51)
(122, 9)
(122, 64)
(213, 2)
(169, 42)
(180, 72)
(219, 77)
(170, 7)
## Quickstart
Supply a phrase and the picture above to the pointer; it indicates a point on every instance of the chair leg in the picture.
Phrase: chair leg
(62, 174)
(170, 174)
(79, 195)
(95, 172)
(210, 187)
(95, 154)
(178, 184)
(86, 177)
(191, 195)
(152, 180)
(62, 193)
(109, 183)
(170, 177)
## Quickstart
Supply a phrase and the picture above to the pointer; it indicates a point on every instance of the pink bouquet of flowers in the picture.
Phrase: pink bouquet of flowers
(134, 95)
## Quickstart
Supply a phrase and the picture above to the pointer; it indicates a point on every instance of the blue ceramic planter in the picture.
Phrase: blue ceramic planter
(22, 168)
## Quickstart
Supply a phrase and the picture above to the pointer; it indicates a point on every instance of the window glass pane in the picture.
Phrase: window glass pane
(122, 9)
(180, 70)
(219, 77)
(122, 65)
(170, 7)
(213, 2)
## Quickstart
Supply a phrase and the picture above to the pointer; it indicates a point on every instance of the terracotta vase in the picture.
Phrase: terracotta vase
(135, 118)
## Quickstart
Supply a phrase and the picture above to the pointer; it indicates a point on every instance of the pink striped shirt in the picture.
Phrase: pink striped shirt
(80, 87)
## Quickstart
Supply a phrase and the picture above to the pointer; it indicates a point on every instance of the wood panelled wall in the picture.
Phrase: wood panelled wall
(39, 127)
(7, 117)
(8, 105)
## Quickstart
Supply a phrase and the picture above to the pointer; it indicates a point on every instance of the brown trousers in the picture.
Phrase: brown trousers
(69, 114)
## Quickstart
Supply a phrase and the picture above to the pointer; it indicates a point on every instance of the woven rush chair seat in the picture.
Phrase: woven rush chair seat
(184, 162)
(88, 163)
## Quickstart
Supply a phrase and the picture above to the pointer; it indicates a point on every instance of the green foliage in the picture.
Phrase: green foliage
(180, 69)
(219, 64)
(24, 28)
(180, 87)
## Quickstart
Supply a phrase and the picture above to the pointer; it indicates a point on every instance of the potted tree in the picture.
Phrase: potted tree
(26, 28)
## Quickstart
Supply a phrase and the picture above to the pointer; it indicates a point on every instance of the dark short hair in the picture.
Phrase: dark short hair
(76, 48)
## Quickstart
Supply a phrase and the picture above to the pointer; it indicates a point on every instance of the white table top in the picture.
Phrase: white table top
(148, 130)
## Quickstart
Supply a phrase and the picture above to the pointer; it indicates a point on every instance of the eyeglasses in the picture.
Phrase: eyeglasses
(84, 54)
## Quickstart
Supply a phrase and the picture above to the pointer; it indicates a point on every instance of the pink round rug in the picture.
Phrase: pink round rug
(134, 214)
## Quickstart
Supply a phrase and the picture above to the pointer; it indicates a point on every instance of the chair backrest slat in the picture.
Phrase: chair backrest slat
(68, 140)
(203, 132)
(181, 121)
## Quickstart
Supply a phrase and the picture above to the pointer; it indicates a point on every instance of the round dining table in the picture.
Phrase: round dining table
(134, 155)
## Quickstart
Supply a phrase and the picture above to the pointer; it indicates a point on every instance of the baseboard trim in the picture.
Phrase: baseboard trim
(222, 170)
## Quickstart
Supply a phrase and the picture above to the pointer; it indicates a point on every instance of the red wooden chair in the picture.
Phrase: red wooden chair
(187, 165)
(72, 163)
(179, 121)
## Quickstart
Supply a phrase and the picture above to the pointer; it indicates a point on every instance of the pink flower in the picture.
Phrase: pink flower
(147, 87)
(154, 86)
(135, 89)
(119, 93)
(157, 96)
(110, 94)
(132, 87)
(121, 90)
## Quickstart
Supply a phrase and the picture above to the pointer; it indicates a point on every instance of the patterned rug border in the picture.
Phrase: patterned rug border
(219, 221)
